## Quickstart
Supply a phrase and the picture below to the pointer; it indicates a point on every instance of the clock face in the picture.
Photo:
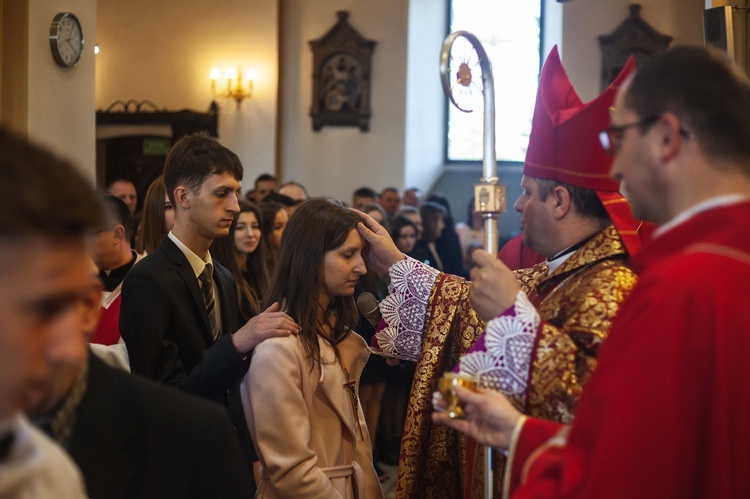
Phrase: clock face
(66, 39)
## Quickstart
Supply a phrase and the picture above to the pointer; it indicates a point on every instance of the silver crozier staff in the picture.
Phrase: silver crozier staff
(489, 194)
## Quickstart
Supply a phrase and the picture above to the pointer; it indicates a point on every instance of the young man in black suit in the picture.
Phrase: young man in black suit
(130, 437)
(179, 315)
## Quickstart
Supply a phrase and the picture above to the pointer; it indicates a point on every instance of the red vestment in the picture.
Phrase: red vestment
(516, 255)
(667, 412)
(108, 330)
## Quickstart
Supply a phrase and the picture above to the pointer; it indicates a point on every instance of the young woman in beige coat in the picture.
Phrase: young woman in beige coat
(301, 392)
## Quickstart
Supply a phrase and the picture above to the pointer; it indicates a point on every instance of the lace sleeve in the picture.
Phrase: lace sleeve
(501, 359)
(404, 310)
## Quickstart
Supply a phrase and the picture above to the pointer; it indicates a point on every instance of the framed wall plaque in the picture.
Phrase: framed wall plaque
(633, 37)
(342, 61)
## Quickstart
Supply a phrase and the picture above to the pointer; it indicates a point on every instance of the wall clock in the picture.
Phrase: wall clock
(66, 39)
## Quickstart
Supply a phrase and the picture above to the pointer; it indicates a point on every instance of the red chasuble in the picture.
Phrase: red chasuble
(667, 412)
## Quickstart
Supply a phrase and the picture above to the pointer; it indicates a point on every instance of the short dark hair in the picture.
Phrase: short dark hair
(365, 192)
(277, 197)
(585, 201)
(319, 225)
(389, 189)
(264, 177)
(118, 213)
(124, 180)
(705, 90)
(292, 182)
(43, 195)
(193, 158)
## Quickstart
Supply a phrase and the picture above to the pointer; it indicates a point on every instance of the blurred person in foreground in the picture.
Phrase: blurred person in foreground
(42, 253)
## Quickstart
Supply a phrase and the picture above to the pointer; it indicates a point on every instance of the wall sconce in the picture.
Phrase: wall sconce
(239, 84)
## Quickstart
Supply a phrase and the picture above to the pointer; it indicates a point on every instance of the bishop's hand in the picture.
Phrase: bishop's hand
(381, 250)
(490, 417)
(493, 286)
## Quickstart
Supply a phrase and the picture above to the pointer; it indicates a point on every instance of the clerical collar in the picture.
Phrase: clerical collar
(112, 278)
(557, 260)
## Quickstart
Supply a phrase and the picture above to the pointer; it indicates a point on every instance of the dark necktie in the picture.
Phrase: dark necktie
(207, 288)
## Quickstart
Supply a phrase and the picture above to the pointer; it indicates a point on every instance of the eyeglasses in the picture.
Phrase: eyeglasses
(611, 137)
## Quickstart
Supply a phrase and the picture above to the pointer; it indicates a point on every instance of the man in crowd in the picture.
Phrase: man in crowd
(179, 316)
(542, 352)
(125, 190)
(113, 257)
(666, 412)
(413, 197)
(390, 200)
(294, 190)
(363, 196)
(42, 230)
(265, 183)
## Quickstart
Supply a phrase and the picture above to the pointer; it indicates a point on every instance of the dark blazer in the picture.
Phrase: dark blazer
(165, 326)
(135, 438)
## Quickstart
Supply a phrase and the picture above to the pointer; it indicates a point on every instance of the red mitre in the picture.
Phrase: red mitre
(564, 142)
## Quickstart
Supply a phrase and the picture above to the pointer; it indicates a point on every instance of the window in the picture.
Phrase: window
(510, 33)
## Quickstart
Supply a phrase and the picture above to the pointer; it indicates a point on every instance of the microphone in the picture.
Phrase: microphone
(368, 307)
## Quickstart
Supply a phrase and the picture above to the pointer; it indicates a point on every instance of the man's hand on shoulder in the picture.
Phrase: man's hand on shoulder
(269, 323)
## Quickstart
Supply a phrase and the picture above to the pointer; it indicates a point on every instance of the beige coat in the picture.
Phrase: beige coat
(303, 424)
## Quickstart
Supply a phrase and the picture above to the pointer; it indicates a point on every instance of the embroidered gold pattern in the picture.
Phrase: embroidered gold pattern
(433, 457)
(583, 296)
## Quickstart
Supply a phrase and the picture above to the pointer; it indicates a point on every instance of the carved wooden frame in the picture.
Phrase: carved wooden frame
(633, 37)
(342, 61)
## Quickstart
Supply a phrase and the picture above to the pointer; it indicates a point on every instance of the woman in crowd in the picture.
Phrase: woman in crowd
(447, 244)
(412, 213)
(300, 394)
(433, 220)
(404, 234)
(273, 222)
(157, 220)
(242, 253)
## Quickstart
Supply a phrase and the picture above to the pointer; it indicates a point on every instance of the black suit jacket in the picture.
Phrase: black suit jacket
(135, 438)
(164, 323)
(165, 326)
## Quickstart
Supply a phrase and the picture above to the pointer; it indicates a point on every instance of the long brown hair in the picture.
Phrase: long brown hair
(251, 283)
(152, 231)
(268, 211)
(319, 225)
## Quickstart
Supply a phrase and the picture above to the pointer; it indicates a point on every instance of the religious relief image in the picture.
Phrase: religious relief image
(340, 90)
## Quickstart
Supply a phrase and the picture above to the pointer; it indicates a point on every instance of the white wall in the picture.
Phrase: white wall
(163, 51)
(585, 20)
(61, 101)
(335, 161)
(425, 101)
